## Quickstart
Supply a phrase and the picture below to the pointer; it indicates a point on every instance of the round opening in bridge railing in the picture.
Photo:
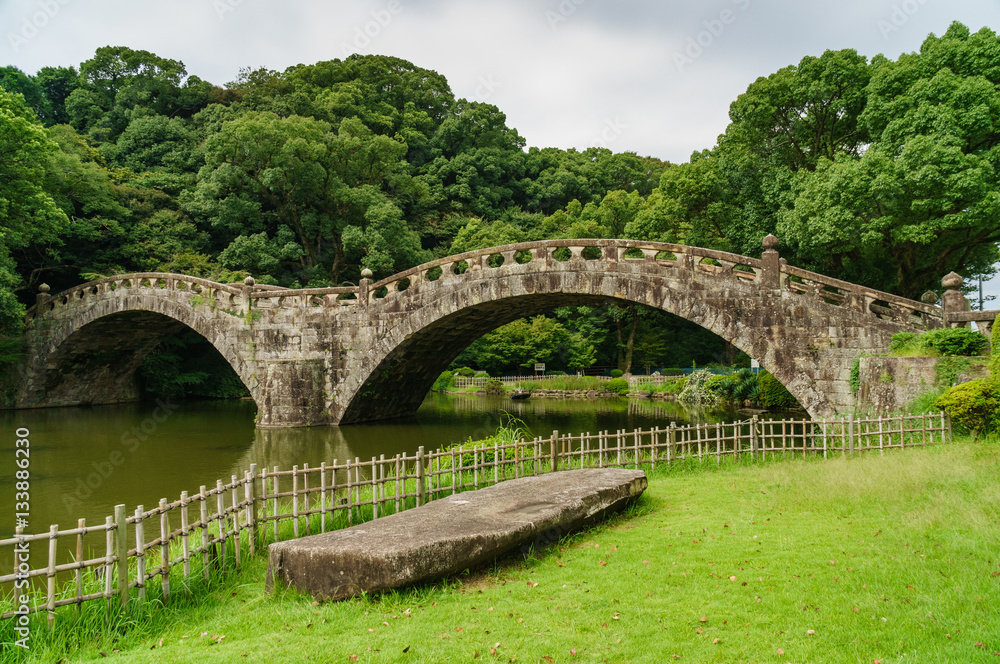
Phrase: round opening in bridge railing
(562, 254)
(522, 257)
(634, 254)
(434, 273)
(592, 253)
(495, 260)
(881, 308)
(347, 296)
(127, 284)
(744, 269)
(710, 262)
(93, 290)
(402, 285)
(112, 285)
(79, 295)
(381, 292)
(832, 295)
(461, 267)
(180, 285)
(666, 256)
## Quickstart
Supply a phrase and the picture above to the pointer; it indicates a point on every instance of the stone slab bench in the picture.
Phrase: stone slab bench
(449, 535)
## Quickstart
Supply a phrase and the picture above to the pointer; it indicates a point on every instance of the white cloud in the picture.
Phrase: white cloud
(610, 61)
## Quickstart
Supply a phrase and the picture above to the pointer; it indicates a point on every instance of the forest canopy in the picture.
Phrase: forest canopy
(877, 171)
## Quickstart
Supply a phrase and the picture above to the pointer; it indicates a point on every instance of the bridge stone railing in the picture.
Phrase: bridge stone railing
(770, 271)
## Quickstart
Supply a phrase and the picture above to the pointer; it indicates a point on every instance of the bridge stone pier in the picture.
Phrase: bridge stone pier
(370, 352)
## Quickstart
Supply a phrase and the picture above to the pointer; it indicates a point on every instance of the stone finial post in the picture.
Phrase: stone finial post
(43, 294)
(929, 297)
(365, 287)
(953, 301)
(772, 263)
(247, 287)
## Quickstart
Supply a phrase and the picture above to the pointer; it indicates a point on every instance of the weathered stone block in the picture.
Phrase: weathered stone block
(449, 535)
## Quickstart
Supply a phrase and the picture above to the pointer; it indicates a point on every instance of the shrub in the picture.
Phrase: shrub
(772, 394)
(617, 386)
(954, 341)
(974, 405)
(482, 374)
(679, 386)
(901, 340)
(494, 386)
(616, 373)
(694, 389)
(443, 382)
(466, 372)
(555, 373)
(995, 343)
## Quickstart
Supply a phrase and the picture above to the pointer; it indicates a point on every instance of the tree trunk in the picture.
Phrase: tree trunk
(630, 347)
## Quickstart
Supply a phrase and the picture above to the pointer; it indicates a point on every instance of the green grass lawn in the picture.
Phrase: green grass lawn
(892, 558)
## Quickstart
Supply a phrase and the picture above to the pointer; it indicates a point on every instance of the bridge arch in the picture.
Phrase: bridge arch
(807, 343)
(85, 344)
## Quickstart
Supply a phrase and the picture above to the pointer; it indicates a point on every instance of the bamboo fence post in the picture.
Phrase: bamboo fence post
(164, 551)
(51, 574)
(374, 489)
(420, 476)
(881, 436)
(235, 497)
(305, 495)
(902, 432)
(205, 536)
(322, 497)
(718, 444)
(697, 433)
(185, 542)
(496, 462)
(251, 500)
(399, 497)
(753, 438)
(274, 501)
(850, 434)
(381, 482)
(946, 424)
(618, 448)
(553, 452)
(140, 555)
(121, 553)
(637, 448)
(357, 485)
(671, 441)
(295, 502)
(81, 524)
(220, 503)
(923, 429)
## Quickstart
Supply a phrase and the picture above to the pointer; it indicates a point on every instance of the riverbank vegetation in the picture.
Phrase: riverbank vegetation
(307, 176)
(790, 560)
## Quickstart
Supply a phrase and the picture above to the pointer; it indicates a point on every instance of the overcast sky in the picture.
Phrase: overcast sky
(654, 77)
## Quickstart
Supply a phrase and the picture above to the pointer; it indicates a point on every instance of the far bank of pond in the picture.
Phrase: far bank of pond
(84, 461)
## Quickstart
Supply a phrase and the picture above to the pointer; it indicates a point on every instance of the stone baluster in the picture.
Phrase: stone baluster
(247, 304)
(364, 288)
(953, 302)
(772, 263)
(43, 295)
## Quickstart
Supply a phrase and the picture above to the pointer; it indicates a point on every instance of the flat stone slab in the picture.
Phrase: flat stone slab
(449, 535)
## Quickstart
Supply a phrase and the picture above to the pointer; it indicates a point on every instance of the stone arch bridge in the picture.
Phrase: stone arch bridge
(372, 351)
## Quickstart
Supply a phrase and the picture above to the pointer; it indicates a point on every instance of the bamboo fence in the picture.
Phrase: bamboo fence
(480, 381)
(235, 519)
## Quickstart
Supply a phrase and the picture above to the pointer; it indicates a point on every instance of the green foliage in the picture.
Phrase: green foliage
(617, 386)
(465, 372)
(495, 387)
(737, 388)
(522, 344)
(772, 394)
(955, 341)
(975, 405)
(187, 365)
(443, 382)
(949, 368)
(616, 373)
(995, 338)
(696, 388)
(855, 376)
(901, 340)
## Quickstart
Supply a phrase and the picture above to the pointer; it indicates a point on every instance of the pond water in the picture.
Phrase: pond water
(84, 461)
